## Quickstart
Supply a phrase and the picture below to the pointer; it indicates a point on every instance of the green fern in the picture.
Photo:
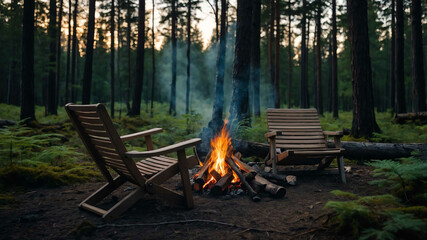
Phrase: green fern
(406, 179)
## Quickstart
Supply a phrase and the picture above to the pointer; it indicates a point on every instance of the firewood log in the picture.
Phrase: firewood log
(275, 190)
(215, 175)
(289, 179)
(255, 197)
(221, 186)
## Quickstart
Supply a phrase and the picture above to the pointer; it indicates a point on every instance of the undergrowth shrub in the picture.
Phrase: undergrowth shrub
(386, 216)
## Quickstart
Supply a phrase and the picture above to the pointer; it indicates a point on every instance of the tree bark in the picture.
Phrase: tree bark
(418, 81)
(52, 30)
(112, 50)
(239, 107)
(74, 53)
(139, 78)
(119, 46)
(187, 93)
(364, 123)
(255, 54)
(319, 60)
(392, 60)
(334, 61)
(27, 85)
(67, 73)
(218, 107)
(172, 104)
(303, 90)
(399, 60)
(58, 53)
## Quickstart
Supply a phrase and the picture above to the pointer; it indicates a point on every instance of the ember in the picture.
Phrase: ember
(223, 169)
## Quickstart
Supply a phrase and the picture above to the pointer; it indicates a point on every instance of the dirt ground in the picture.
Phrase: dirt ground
(52, 213)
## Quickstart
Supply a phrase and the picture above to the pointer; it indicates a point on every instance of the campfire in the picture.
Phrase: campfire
(223, 170)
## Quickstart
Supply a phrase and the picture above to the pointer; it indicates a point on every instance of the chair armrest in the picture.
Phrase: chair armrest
(141, 134)
(172, 148)
(333, 133)
(270, 134)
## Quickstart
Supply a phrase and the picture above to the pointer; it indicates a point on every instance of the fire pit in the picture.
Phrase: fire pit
(223, 170)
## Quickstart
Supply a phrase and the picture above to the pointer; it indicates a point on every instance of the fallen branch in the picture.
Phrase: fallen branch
(191, 221)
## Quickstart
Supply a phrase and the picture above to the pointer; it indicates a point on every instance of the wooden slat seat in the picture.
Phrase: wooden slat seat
(298, 132)
(106, 147)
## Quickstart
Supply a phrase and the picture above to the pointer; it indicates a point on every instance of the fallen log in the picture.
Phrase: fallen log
(413, 116)
(353, 150)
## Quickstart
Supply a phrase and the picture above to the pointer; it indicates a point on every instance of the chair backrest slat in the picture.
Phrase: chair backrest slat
(102, 140)
(300, 128)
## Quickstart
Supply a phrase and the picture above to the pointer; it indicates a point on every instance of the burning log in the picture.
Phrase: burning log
(275, 190)
(245, 167)
(290, 179)
(215, 175)
(201, 177)
(255, 197)
(221, 186)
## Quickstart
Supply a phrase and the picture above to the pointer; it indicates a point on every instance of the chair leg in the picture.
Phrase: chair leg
(124, 204)
(340, 161)
(185, 177)
(104, 191)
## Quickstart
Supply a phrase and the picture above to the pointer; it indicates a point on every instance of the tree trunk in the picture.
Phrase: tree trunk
(187, 93)
(139, 78)
(13, 92)
(67, 73)
(58, 53)
(329, 94)
(276, 57)
(153, 59)
(87, 75)
(334, 61)
(319, 60)
(172, 105)
(399, 60)
(51, 107)
(73, 54)
(289, 55)
(218, 107)
(119, 45)
(255, 54)
(239, 107)
(27, 85)
(271, 59)
(364, 123)
(393, 57)
(216, 20)
(303, 90)
(418, 81)
(129, 43)
(112, 49)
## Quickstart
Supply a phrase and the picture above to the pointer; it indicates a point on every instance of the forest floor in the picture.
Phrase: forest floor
(52, 213)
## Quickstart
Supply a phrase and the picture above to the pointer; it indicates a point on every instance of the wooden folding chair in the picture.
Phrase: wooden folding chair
(106, 147)
(299, 133)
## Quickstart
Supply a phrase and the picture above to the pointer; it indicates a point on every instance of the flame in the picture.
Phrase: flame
(221, 149)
